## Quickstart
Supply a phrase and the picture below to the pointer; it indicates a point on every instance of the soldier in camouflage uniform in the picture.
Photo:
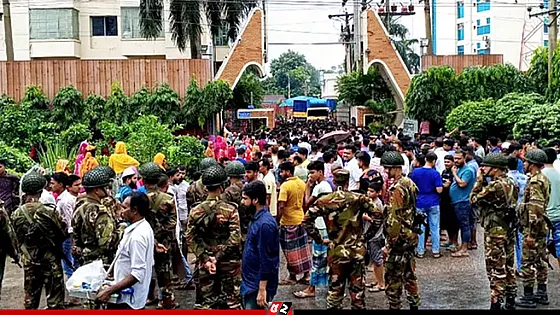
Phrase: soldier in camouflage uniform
(8, 245)
(534, 227)
(342, 211)
(232, 194)
(114, 207)
(196, 192)
(163, 219)
(214, 236)
(40, 232)
(496, 201)
(95, 233)
(402, 237)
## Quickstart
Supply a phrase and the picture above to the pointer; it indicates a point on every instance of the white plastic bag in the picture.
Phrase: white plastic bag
(92, 274)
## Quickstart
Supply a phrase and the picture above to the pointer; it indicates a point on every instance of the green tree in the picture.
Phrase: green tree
(165, 104)
(432, 95)
(201, 104)
(540, 123)
(117, 106)
(149, 138)
(303, 77)
(476, 118)
(538, 71)
(35, 98)
(68, 107)
(480, 83)
(186, 18)
(356, 88)
(249, 87)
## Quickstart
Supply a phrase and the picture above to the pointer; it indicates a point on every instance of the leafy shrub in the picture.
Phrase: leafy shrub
(540, 123)
(165, 104)
(117, 107)
(74, 135)
(68, 107)
(148, 138)
(476, 118)
(140, 101)
(35, 98)
(54, 151)
(94, 108)
(16, 160)
(480, 83)
(187, 151)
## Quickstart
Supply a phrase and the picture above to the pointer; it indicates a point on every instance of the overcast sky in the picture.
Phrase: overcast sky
(306, 21)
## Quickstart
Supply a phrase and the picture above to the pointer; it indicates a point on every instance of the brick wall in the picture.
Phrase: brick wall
(361, 112)
(249, 49)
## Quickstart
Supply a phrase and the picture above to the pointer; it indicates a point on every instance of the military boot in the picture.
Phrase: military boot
(495, 306)
(528, 298)
(413, 307)
(510, 303)
(541, 297)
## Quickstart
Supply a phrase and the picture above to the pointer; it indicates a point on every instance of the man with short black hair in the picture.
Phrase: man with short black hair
(251, 171)
(302, 153)
(463, 183)
(58, 184)
(65, 206)
(135, 257)
(261, 257)
(352, 166)
(270, 183)
(493, 145)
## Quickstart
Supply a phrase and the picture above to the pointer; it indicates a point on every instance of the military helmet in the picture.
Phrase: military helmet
(536, 156)
(392, 159)
(33, 183)
(235, 169)
(341, 175)
(97, 177)
(495, 160)
(108, 170)
(206, 163)
(214, 176)
(150, 171)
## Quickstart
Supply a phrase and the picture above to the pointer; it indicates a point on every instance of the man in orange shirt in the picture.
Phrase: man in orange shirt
(293, 236)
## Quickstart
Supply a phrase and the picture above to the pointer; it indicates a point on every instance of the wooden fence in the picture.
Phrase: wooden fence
(460, 62)
(96, 76)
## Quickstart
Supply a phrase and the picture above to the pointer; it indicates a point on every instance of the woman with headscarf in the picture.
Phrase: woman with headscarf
(210, 150)
(63, 166)
(89, 162)
(159, 159)
(120, 160)
(80, 157)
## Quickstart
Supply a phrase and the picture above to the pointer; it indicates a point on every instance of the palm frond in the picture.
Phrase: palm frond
(235, 13)
(213, 10)
(151, 19)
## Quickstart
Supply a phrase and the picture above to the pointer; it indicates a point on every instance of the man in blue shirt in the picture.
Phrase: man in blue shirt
(460, 191)
(430, 185)
(261, 254)
(520, 181)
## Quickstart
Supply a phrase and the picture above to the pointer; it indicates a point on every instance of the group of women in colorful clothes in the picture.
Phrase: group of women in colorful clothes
(218, 148)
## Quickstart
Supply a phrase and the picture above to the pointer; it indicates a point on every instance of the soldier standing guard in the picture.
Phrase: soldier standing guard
(214, 235)
(402, 235)
(196, 192)
(497, 202)
(8, 245)
(40, 232)
(342, 211)
(534, 227)
(232, 194)
(163, 219)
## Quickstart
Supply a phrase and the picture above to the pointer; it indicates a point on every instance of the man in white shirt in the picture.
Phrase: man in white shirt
(352, 167)
(270, 183)
(135, 257)
(65, 206)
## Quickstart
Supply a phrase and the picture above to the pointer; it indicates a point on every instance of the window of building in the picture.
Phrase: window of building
(545, 28)
(487, 20)
(545, 2)
(483, 30)
(54, 24)
(477, 45)
(483, 51)
(461, 50)
(483, 6)
(222, 39)
(130, 23)
(545, 43)
(104, 26)
(460, 10)
(477, 22)
(460, 31)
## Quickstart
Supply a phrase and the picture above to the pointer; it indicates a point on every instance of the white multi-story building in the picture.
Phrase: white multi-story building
(466, 27)
(91, 29)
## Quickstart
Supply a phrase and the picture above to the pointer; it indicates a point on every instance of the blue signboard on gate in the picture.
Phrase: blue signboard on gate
(242, 115)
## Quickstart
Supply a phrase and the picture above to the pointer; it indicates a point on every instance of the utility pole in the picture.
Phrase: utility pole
(428, 23)
(347, 40)
(357, 35)
(387, 14)
(552, 37)
(265, 53)
(9, 41)
(289, 87)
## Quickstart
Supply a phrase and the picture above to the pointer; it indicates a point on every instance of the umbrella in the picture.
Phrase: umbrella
(338, 136)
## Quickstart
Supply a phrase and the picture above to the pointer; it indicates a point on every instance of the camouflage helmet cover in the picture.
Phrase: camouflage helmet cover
(206, 163)
(97, 177)
(150, 171)
(33, 183)
(235, 169)
(108, 170)
(214, 176)
(392, 159)
(536, 156)
(495, 160)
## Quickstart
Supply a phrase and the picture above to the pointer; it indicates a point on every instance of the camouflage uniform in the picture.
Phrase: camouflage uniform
(533, 223)
(232, 194)
(95, 232)
(163, 219)
(342, 212)
(213, 231)
(401, 242)
(8, 245)
(497, 202)
(196, 193)
(41, 260)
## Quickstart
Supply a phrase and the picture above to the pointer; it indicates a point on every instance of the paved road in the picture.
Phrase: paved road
(445, 283)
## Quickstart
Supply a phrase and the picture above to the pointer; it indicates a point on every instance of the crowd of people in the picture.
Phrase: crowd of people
(370, 204)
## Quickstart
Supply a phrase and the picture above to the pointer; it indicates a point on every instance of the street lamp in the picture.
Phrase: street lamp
(423, 44)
